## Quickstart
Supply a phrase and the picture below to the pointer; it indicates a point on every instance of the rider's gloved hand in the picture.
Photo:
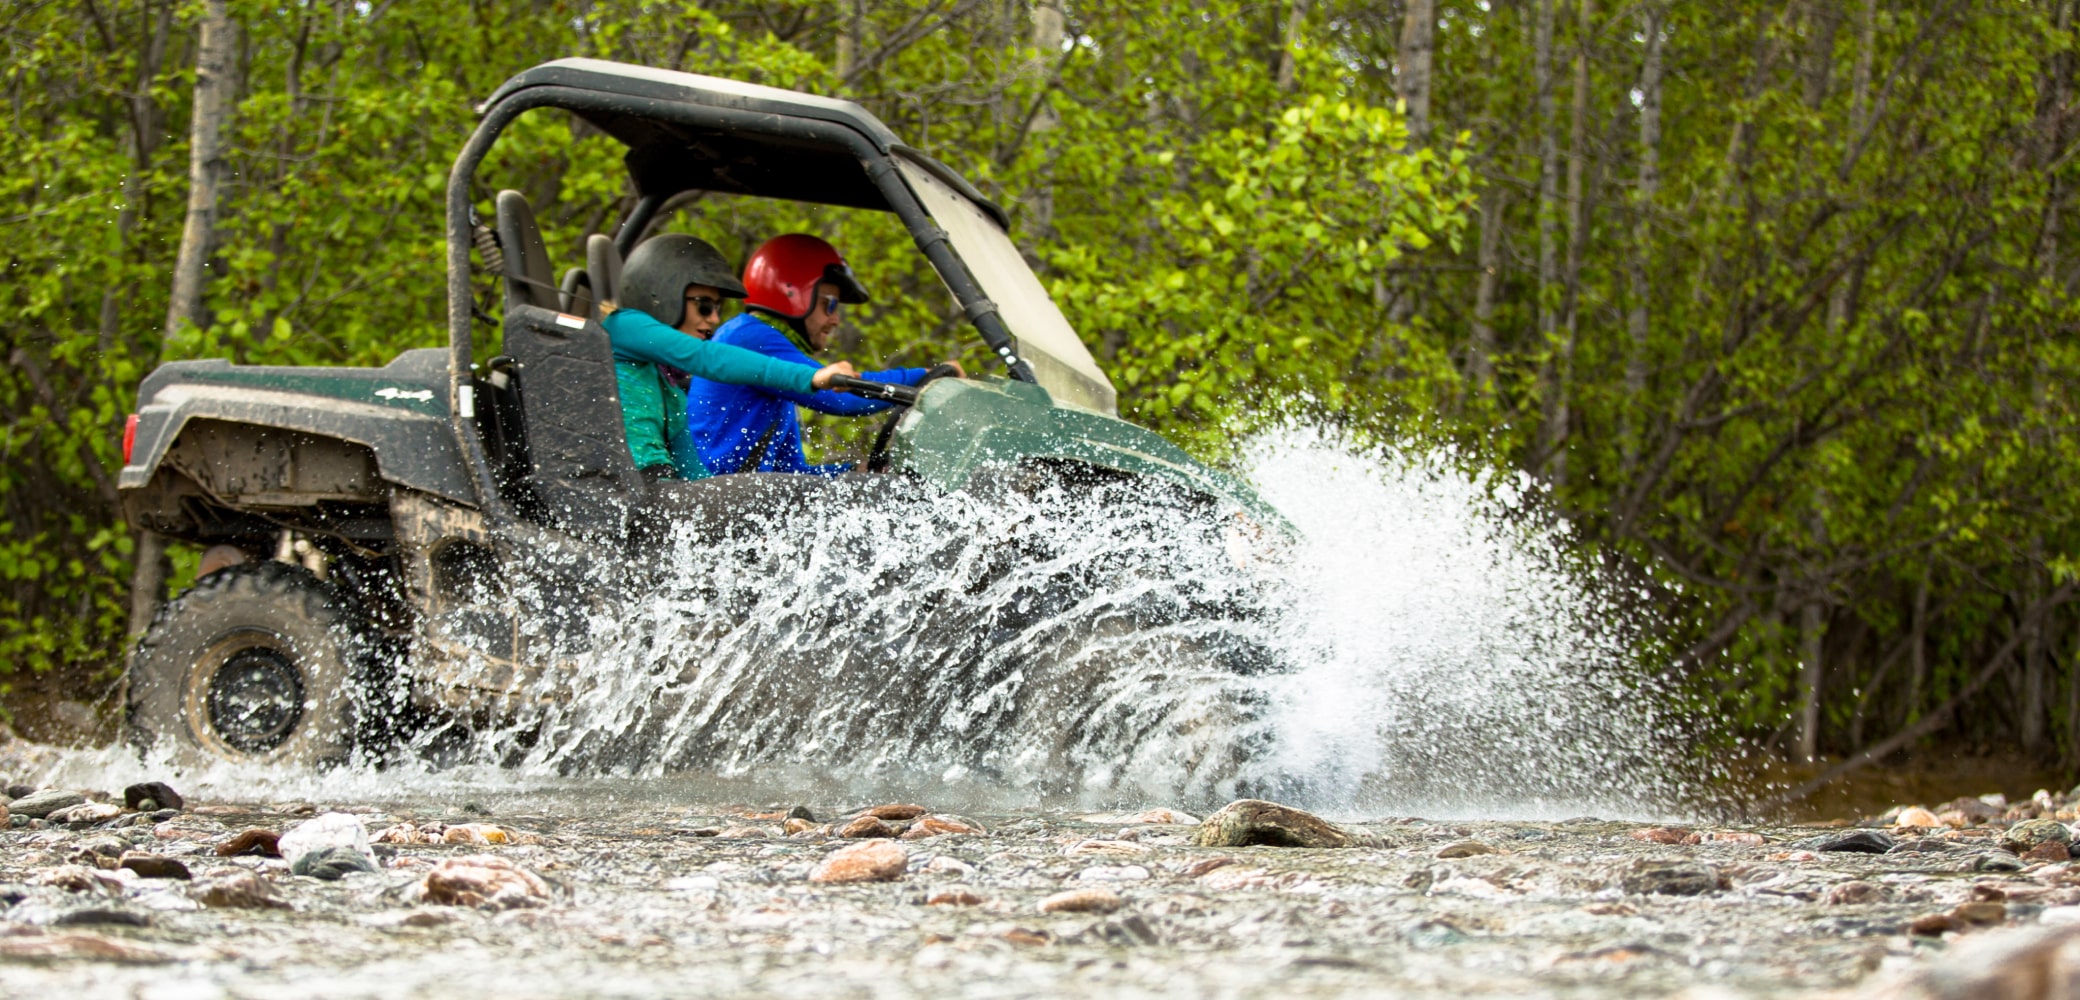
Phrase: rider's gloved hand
(822, 378)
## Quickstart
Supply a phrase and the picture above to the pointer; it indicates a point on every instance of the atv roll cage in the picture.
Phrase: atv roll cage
(687, 132)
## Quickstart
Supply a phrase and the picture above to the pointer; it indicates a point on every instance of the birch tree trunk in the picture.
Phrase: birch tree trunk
(1548, 245)
(1560, 416)
(1412, 86)
(214, 59)
(214, 65)
(1639, 316)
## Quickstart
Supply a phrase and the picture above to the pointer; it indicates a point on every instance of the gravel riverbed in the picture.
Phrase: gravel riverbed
(641, 898)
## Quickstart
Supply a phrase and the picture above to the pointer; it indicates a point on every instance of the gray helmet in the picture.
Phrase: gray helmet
(657, 273)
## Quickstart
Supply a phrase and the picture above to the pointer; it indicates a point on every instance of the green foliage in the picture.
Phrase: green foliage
(1821, 362)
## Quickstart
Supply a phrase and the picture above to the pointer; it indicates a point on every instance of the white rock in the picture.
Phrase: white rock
(320, 832)
(1110, 873)
(945, 865)
(694, 883)
(2058, 916)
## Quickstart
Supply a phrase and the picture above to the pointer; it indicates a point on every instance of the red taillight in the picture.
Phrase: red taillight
(129, 437)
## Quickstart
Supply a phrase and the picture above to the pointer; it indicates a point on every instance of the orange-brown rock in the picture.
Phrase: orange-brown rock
(795, 825)
(264, 843)
(940, 826)
(477, 879)
(1854, 893)
(870, 861)
(1159, 815)
(953, 897)
(91, 947)
(1661, 835)
(1984, 913)
(1082, 901)
(1934, 925)
(2050, 850)
(1917, 817)
(863, 826)
(897, 811)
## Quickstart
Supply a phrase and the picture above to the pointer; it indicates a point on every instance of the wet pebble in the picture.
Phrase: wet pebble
(85, 814)
(1112, 873)
(1256, 823)
(1662, 835)
(1082, 901)
(1857, 893)
(151, 796)
(331, 863)
(1671, 878)
(75, 946)
(2030, 833)
(1105, 848)
(38, 805)
(265, 843)
(235, 889)
(483, 880)
(1465, 849)
(958, 896)
(896, 811)
(870, 861)
(1852, 842)
(153, 866)
(862, 827)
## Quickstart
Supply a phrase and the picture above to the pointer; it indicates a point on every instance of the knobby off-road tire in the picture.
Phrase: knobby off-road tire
(255, 663)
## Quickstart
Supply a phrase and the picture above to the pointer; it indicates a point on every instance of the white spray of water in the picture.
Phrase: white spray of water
(1418, 648)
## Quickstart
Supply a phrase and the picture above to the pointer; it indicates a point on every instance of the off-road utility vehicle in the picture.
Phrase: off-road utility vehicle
(441, 476)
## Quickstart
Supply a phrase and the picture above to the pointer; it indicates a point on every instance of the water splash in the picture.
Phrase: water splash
(1421, 647)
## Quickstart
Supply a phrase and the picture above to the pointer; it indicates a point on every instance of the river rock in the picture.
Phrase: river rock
(265, 843)
(896, 812)
(1857, 893)
(77, 946)
(483, 880)
(864, 826)
(1082, 901)
(79, 878)
(1161, 816)
(1973, 810)
(1997, 861)
(320, 832)
(1465, 849)
(1917, 818)
(2029, 833)
(1662, 835)
(479, 834)
(1852, 842)
(1980, 913)
(956, 896)
(152, 796)
(331, 863)
(85, 814)
(1099, 847)
(39, 805)
(1256, 823)
(153, 866)
(188, 826)
(236, 890)
(1671, 878)
(870, 861)
(937, 825)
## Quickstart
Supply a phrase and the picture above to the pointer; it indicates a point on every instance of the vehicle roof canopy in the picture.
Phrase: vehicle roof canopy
(667, 156)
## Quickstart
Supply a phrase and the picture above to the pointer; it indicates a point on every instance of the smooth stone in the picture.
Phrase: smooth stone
(153, 866)
(265, 843)
(1465, 849)
(38, 805)
(1916, 817)
(236, 890)
(1256, 823)
(1670, 878)
(1853, 842)
(1997, 861)
(2029, 833)
(159, 794)
(483, 880)
(1856, 893)
(90, 916)
(868, 861)
(1082, 901)
(864, 826)
(85, 814)
(331, 863)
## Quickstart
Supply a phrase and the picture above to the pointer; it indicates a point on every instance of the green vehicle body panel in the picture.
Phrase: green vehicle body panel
(960, 426)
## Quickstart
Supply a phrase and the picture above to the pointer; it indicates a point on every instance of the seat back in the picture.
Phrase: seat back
(603, 267)
(529, 279)
(581, 476)
(576, 293)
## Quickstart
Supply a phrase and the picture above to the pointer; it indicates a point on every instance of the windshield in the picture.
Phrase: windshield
(1045, 340)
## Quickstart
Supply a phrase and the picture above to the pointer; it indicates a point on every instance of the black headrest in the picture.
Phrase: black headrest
(529, 280)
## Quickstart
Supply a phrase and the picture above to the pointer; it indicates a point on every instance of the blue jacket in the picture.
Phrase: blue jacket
(728, 421)
(653, 410)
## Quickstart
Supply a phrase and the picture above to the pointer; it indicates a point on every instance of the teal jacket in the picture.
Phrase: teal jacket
(653, 410)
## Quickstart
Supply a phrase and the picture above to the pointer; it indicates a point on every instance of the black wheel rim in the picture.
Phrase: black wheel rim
(256, 699)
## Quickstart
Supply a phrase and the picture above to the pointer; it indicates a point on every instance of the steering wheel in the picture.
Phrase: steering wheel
(877, 456)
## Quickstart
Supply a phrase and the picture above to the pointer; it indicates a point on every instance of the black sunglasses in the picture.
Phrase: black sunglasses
(704, 305)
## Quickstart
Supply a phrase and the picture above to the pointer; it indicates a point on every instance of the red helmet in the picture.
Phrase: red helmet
(782, 275)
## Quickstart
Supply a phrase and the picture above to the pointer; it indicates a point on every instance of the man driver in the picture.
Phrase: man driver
(796, 289)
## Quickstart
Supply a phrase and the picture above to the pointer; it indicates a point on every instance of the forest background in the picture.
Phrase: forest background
(1774, 297)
